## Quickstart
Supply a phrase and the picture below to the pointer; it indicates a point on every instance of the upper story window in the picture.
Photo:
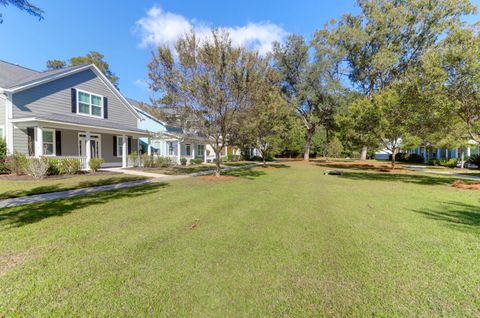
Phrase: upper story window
(90, 104)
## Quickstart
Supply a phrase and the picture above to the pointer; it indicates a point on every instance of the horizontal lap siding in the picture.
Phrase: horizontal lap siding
(55, 97)
(20, 140)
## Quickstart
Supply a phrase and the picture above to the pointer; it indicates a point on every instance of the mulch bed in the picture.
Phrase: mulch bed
(459, 184)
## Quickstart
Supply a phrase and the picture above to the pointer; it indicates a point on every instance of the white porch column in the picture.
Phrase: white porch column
(38, 141)
(88, 148)
(204, 153)
(149, 149)
(193, 150)
(178, 151)
(124, 151)
(468, 151)
(456, 153)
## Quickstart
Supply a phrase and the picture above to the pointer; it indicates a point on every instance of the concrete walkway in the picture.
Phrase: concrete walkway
(425, 169)
(156, 177)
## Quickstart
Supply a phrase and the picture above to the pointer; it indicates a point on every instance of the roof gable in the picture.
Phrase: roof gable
(40, 78)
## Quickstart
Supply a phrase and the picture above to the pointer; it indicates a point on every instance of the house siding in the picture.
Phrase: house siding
(20, 140)
(2, 111)
(55, 97)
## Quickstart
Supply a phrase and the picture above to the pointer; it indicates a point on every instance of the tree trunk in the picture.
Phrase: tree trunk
(308, 143)
(394, 153)
(217, 164)
(462, 162)
(363, 155)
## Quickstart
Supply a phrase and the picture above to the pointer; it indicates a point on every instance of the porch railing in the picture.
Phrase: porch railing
(82, 159)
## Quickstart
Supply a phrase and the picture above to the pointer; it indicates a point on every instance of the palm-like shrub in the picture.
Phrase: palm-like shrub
(474, 160)
(95, 164)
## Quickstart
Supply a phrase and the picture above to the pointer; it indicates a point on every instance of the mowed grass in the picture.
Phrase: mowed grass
(284, 241)
(12, 188)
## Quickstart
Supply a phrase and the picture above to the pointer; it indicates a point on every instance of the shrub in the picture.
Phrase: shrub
(413, 158)
(407, 157)
(183, 161)
(432, 162)
(474, 160)
(450, 163)
(16, 163)
(134, 159)
(196, 161)
(3, 155)
(95, 163)
(71, 165)
(232, 158)
(61, 166)
(147, 160)
(37, 167)
(55, 167)
(162, 162)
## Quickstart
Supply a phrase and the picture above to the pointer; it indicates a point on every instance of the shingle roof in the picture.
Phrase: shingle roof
(12, 75)
(81, 120)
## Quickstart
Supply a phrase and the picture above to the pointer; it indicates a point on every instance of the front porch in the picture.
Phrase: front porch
(176, 148)
(60, 140)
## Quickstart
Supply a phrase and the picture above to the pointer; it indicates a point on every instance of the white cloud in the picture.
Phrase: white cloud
(142, 84)
(159, 27)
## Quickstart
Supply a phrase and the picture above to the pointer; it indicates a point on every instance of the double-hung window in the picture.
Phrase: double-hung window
(90, 104)
(48, 142)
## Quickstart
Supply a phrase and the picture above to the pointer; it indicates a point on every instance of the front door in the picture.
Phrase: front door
(94, 145)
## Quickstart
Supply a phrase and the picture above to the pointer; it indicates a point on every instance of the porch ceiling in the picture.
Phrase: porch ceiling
(79, 124)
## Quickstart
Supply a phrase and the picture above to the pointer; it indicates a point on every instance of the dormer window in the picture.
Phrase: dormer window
(89, 104)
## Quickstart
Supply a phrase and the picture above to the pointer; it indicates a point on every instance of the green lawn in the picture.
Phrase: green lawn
(12, 188)
(284, 241)
(179, 170)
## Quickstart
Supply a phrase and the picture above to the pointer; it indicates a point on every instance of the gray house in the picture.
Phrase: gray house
(72, 112)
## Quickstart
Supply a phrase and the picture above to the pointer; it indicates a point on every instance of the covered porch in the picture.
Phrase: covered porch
(177, 147)
(46, 138)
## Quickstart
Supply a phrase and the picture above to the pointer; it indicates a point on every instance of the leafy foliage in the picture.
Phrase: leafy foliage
(23, 5)
(207, 81)
(92, 57)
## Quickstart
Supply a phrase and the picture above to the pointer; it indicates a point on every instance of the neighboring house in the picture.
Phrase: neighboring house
(72, 112)
(170, 141)
(428, 152)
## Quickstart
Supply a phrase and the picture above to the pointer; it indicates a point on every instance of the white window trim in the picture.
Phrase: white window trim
(90, 104)
(2, 135)
(54, 141)
(99, 138)
(120, 153)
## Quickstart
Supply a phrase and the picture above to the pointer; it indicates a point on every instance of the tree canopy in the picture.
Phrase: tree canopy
(92, 57)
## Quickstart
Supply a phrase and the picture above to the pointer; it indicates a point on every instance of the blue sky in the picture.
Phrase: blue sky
(125, 31)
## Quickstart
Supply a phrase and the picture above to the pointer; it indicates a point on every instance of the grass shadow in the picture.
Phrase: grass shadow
(31, 213)
(247, 173)
(462, 216)
(55, 187)
(399, 177)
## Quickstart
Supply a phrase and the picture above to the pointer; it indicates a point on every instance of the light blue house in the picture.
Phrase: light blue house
(170, 141)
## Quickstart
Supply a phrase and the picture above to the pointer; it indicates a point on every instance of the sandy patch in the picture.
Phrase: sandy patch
(459, 184)
(214, 178)
(8, 262)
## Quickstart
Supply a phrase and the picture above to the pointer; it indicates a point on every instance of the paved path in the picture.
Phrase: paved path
(156, 177)
(443, 173)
